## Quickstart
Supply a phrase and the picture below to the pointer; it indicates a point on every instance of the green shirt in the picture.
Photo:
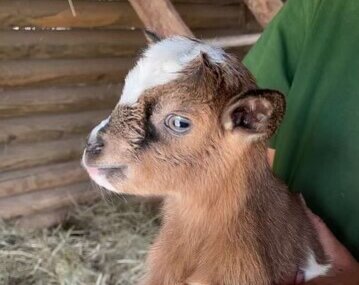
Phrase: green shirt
(310, 52)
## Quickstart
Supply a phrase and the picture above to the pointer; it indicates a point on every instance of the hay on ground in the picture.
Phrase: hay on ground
(105, 243)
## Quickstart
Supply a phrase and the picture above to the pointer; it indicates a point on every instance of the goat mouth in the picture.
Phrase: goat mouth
(110, 171)
(107, 171)
(104, 175)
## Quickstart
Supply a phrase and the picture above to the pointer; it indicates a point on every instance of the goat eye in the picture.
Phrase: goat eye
(178, 124)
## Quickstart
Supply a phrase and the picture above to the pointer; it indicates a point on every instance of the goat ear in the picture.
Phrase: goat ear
(151, 36)
(256, 113)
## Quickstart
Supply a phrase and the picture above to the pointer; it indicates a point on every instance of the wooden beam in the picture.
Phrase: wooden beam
(38, 178)
(33, 202)
(42, 219)
(213, 33)
(212, 2)
(239, 52)
(52, 127)
(15, 73)
(108, 14)
(30, 155)
(70, 44)
(57, 13)
(50, 100)
(233, 41)
(89, 43)
(161, 17)
(264, 10)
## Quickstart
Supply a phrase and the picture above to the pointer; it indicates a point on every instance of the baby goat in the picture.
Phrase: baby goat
(192, 126)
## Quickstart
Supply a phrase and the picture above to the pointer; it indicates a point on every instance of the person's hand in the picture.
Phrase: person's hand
(345, 269)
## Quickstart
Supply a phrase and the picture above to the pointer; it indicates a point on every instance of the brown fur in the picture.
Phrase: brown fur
(227, 219)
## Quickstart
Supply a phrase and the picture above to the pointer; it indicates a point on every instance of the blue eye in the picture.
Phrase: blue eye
(178, 124)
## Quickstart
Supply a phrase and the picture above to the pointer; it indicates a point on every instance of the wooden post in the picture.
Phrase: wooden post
(233, 41)
(161, 17)
(264, 10)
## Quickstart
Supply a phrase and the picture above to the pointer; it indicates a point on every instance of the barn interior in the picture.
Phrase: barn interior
(62, 68)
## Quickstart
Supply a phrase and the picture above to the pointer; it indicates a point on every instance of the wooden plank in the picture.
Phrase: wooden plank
(57, 13)
(23, 205)
(37, 178)
(35, 101)
(31, 155)
(239, 52)
(215, 33)
(161, 17)
(99, 14)
(42, 219)
(233, 41)
(44, 128)
(212, 16)
(264, 10)
(90, 43)
(212, 2)
(70, 44)
(14, 73)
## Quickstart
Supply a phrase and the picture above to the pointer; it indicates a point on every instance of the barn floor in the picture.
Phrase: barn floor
(102, 244)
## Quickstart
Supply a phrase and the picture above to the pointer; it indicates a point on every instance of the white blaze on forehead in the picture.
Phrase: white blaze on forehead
(95, 130)
(162, 62)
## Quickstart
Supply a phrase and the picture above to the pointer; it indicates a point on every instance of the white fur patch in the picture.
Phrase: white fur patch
(162, 62)
(313, 269)
(103, 182)
(96, 175)
(93, 134)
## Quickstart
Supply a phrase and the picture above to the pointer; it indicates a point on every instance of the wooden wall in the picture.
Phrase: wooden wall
(59, 76)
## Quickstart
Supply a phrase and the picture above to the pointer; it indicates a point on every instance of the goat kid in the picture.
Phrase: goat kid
(192, 126)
